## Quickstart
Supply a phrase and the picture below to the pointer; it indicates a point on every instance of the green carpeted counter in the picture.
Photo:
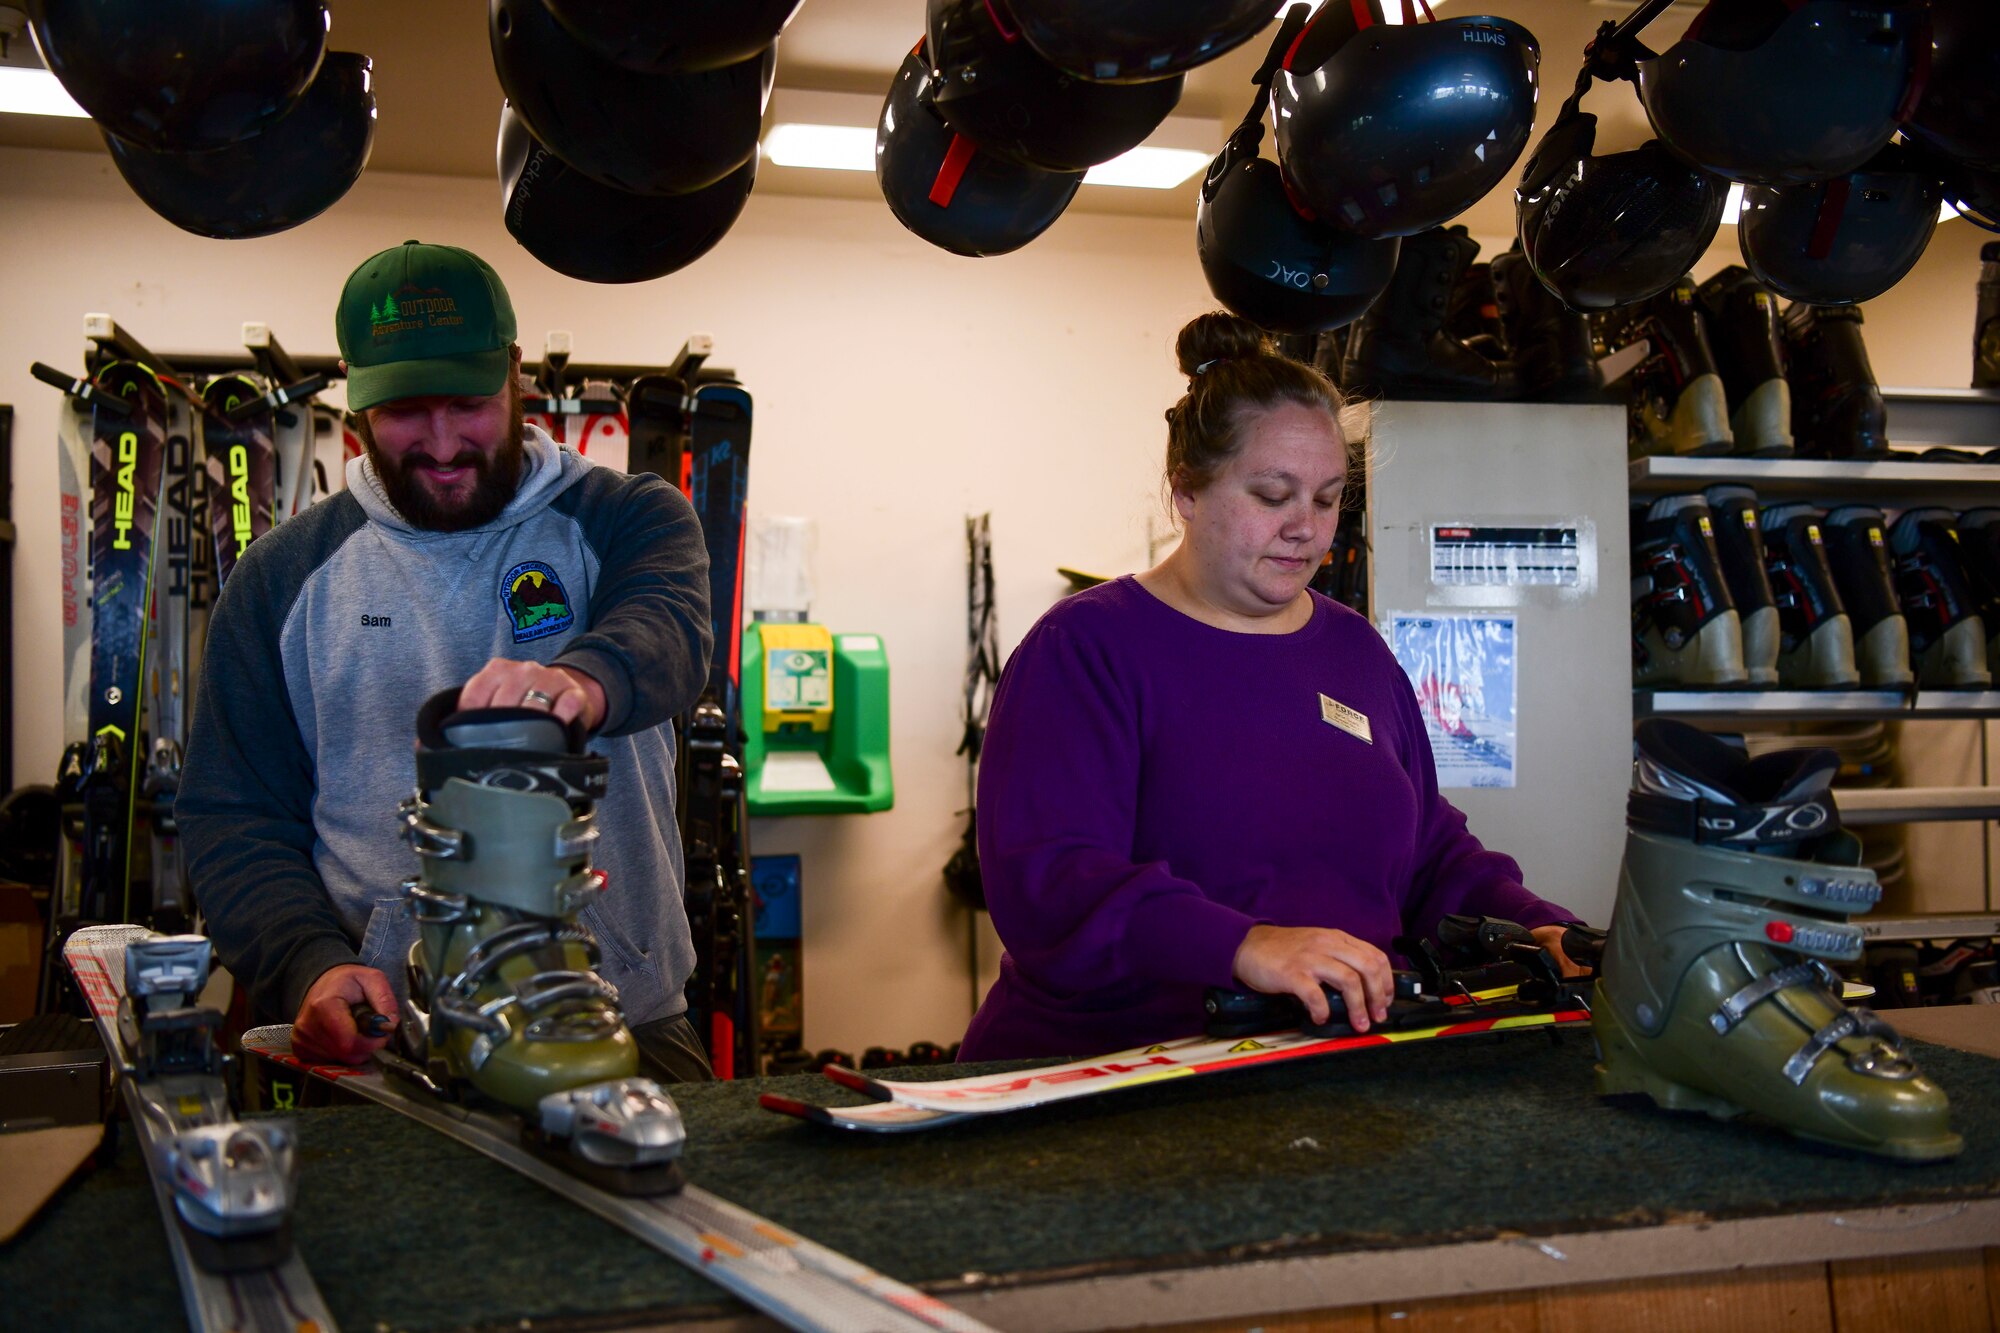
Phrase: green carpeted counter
(1381, 1173)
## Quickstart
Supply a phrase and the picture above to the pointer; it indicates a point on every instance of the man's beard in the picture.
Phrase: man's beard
(495, 480)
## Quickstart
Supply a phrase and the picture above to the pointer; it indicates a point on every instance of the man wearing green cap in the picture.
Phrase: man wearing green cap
(467, 550)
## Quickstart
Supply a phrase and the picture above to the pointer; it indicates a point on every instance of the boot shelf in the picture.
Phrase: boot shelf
(1886, 705)
(1930, 926)
(1894, 484)
(1909, 805)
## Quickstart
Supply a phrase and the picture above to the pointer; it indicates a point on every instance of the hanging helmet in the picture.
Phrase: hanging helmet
(992, 87)
(1134, 41)
(1602, 232)
(587, 230)
(1958, 112)
(1270, 264)
(1784, 91)
(292, 171)
(688, 35)
(1976, 196)
(182, 75)
(949, 190)
(1844, 240)
(642, 133)
(1388, 130)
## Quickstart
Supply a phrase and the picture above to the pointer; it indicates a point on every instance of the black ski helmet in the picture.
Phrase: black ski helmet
(642, 133)
(1601, 232)
(1778, 92)
(949, 190)
(295, 169)
(992, 87)
(1958, 112)
(1388, 130)
(179, 76)
(686, 35)
(1976, 196)
(587, 230)
(1134, 41)
(1843, 240)
(1270, 264)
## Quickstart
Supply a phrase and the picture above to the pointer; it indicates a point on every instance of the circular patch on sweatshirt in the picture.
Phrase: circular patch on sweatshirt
(535, 601)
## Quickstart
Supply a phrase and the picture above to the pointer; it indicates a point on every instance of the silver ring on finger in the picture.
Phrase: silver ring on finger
(537, 697)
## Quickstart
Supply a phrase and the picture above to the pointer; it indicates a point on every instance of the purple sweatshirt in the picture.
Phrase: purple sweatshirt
(1152, 787)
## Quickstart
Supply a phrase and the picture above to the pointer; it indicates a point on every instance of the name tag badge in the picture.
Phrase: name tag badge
(1337, 714)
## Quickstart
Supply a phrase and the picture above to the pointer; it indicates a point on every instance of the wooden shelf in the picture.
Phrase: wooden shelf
(1774, 705)
(1895, 481)
(1930, 926)
(1908, 805)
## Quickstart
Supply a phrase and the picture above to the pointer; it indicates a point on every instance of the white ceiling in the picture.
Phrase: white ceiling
(438, 100)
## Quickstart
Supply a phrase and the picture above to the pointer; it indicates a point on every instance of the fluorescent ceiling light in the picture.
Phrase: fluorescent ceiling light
(35, 92)
(832, 147)
(1732, 206)
(1149, 168)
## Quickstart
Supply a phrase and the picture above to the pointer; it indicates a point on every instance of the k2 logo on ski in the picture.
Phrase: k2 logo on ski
(535, 601)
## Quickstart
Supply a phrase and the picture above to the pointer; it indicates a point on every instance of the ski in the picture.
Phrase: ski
(169, 678)
(715, 824)
(127, 458)
(656, 428)
(224, 1187)
(800, 1283)
(241, 466)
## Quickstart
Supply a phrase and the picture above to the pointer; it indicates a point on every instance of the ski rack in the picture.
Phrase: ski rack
(277, 1299)
(796, 1281)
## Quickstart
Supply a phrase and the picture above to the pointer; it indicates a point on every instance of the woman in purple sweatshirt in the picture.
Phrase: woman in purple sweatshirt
(1207, 774)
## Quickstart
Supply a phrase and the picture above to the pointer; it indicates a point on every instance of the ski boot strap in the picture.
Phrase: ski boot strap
(516, 749)
(1713, 823)
(1883, 1059)
(1736, 1007)
(573, 838)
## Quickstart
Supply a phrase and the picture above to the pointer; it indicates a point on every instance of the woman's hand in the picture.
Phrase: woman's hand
(1551, 938)
(1289, 960)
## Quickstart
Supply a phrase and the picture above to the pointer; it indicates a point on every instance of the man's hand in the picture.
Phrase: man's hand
(1288, 960)
(1551, 938)
(324, 1031)
(564, 691)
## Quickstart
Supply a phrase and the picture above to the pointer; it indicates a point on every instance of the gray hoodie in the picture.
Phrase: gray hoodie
(336, 625)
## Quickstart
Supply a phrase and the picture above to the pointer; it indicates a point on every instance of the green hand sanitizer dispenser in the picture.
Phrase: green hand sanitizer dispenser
(816, 710)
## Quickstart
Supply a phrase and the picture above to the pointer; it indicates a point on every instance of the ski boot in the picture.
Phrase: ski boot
(1815, 637)
(1986, 332)
(1684, 625)
(1947, 637)
(1400, 348)
(1678, 406)
(1742, 319)
(1551, 343)
(1716, 993)
(1740, 543)
(504, 1000)
(1837, 410)
(1473, 314)
(1857, 551)
(1979, 552)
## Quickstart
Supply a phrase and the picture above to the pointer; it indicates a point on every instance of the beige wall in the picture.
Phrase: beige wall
(897, 389)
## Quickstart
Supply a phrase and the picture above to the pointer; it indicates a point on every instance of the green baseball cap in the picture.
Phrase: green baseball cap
(417, 320)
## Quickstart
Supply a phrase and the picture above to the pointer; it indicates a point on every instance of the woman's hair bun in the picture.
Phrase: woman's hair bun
(1219, 336)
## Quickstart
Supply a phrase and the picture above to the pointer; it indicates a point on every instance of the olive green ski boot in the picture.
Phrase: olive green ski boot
(505, 998)
(1716, 993)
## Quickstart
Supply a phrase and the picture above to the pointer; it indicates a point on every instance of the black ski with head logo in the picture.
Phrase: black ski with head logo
(241, 466)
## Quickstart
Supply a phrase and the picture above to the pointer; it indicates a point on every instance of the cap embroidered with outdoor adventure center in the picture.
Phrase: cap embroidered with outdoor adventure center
(418, 320)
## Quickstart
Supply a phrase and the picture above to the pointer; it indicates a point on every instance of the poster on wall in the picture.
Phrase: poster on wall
(1462, 667)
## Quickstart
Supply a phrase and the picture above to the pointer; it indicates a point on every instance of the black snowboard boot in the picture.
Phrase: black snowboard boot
(1551, 343)
(1837, 409)
(1473, 316)
(1400, 348)
(1979, 553)
(1816, 639)
(1986, 331)
(1740, 542)
(1857, 550)
(1685, 630)
(1742, 319)
(1678, 406)
(1947, 637)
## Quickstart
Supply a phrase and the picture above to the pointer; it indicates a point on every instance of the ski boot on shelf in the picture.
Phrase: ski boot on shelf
(1947, 637)
(1678, 406)
(1837, 410)
(1816, 639)
(1857, 551)
(232, 1182)
(1742, 319)
(1401, 348)
(503, 996)
(1986, 331)
(1716, 993)
(1473, 314)
(1740, 543)
(1979, 553)
(1685, 629)
(1551, 343)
